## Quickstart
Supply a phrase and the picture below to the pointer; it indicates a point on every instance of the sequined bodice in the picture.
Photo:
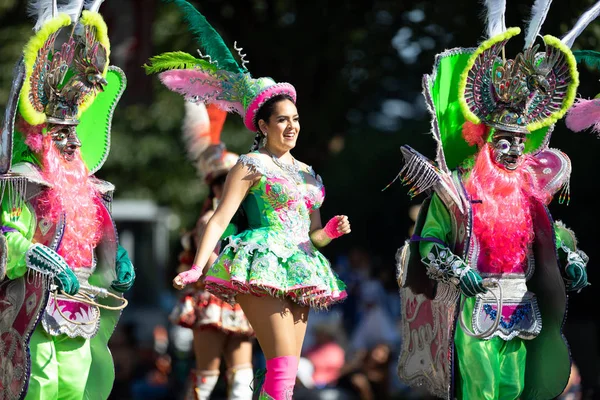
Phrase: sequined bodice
(277, 202)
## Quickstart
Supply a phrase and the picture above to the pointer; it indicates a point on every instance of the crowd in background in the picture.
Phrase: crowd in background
(350, 351)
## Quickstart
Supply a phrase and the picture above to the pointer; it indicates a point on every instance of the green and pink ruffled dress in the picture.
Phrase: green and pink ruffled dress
(275, 255)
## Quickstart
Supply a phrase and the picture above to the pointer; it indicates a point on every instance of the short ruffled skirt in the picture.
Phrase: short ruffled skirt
(201, 310)
(262, 262)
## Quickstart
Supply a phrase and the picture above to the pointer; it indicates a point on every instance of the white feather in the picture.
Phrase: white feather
(538, 16)
(93, 5)
(71, 7)
(45, 10)
(42, 11)
(495, 20)
(196, 129)
(581, 24)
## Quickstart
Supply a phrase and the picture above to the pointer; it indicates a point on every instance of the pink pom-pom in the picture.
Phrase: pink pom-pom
(32, 133)
(584, 114)
(475, 134)
(34, 142)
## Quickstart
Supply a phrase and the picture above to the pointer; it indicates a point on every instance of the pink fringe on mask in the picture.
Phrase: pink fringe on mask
(475, 134)
(196, 85)
(32, 133)
(74, 195)
(584, 114)
(502, 221)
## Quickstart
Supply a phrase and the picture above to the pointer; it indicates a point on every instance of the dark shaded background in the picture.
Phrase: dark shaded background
(357, 67)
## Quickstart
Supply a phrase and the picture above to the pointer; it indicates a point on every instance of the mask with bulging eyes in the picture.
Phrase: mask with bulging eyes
(508, 149)
(65, 139)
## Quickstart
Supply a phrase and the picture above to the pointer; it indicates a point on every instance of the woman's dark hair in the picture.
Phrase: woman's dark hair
(218, 181)
(264, 112)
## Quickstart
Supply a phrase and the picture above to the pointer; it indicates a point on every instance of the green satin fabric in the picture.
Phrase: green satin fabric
(438, 224)
(488, 369)
(18, 242)
(65, 368)
(449, 116)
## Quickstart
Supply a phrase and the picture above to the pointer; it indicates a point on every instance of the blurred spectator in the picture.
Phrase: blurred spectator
(573, 389)
(326, 356)
(376, 326)
(367, 373)
(155, 383)
(353, 269)
(122, 345)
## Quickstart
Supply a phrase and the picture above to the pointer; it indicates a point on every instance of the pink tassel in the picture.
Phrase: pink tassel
(196, 85)
(584, 114)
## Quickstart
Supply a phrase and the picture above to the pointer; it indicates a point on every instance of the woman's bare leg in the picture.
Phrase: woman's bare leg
(238, 357)
(208, 347)
(273, 323)
(300, 314)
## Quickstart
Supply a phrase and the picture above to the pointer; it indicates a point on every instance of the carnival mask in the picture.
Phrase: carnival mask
(65, 139)
(508, 149)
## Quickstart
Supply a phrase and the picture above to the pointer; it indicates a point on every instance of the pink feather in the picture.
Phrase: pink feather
(196, 85)
(584, 114)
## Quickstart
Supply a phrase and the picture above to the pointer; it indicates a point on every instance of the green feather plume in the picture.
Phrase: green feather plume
(207, 37)
(176, 60)
(589, 57)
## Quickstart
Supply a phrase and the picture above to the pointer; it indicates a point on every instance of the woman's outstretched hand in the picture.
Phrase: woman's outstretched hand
(185, 278)
(337, 226)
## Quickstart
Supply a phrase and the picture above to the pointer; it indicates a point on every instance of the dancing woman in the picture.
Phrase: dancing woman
(273, 269)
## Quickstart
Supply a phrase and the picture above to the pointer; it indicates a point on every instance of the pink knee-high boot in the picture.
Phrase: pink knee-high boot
(280, 378)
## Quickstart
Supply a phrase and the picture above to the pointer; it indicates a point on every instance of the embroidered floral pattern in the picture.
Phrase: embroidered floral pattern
(276, 256)
(521, 312)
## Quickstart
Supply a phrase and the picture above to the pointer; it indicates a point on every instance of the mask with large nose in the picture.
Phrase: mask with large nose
(508, 149)
(65, 139)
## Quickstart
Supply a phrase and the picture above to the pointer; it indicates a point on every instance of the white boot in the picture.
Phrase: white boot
(240, 380)
(204, 384)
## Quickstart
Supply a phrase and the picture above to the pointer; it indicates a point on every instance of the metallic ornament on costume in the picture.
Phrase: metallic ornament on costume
(62, 80)
(508, 148)
(527, 93)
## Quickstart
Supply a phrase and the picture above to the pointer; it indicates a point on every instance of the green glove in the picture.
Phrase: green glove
(45, 260)
(125, 272)
(471, 283)
(575, 270)
(445, 266)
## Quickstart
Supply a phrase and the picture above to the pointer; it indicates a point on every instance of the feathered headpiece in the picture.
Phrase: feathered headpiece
(202, 128)
(215, 77)
(473, 89)
(585, 113)
(68, 83)
(62, 81)
(531, 91)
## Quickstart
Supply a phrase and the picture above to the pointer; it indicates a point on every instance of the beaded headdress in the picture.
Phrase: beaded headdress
(215, 77)
(61, 81)
(529, 92)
